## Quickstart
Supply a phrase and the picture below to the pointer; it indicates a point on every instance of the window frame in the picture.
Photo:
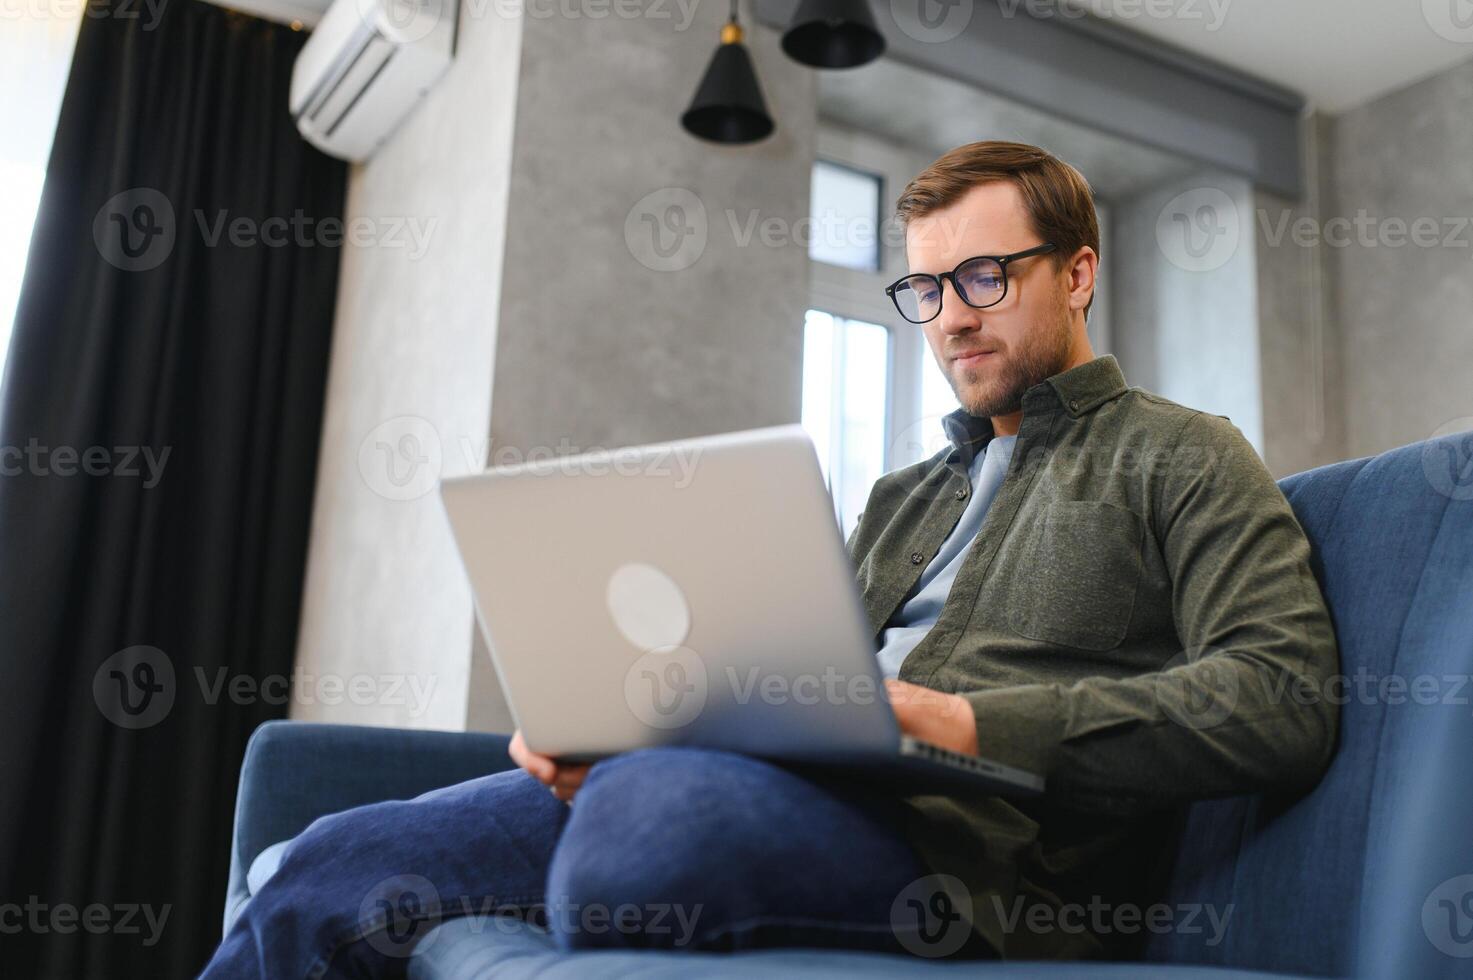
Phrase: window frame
(881, 182)
(836, 399)
(860, 295)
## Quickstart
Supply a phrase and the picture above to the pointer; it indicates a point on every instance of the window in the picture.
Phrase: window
(846, 217)
(35, 53)
(17, 215)
(872, 395)
(937, 400)
(846, 381)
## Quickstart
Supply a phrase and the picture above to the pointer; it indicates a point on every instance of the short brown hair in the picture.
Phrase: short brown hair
(1057, 198)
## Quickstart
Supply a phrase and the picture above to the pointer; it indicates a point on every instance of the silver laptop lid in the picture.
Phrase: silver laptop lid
(688, 592)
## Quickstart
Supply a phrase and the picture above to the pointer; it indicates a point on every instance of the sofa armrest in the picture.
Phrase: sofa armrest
(295, 772)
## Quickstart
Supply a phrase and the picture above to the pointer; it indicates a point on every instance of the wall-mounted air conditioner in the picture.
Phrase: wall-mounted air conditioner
(366, 65)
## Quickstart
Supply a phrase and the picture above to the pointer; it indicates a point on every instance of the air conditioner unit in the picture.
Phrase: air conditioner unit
(366, 65)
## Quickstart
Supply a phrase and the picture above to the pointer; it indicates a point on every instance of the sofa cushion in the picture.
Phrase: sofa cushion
(1393, 550)
(295, 772)
(472, 948)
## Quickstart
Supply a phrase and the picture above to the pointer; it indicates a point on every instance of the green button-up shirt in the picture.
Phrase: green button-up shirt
(1136, 621)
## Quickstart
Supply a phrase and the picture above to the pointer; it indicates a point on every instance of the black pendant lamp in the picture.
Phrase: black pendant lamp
(728, 107)
(834, 34)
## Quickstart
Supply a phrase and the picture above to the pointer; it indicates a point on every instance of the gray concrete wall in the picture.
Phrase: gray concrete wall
(604, 341)
(544, 317)
(1363, 290)
(1299, 338)
(1223, 301)
(1404, 301)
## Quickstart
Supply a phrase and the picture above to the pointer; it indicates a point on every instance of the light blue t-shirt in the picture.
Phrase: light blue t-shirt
(915, 617)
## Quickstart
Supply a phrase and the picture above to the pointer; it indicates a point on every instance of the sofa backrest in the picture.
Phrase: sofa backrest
(1371, 873)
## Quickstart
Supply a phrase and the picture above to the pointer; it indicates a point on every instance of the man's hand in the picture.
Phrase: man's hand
(946, 720)
(563, 779)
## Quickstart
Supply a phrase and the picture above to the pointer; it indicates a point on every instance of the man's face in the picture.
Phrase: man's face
(992, 356)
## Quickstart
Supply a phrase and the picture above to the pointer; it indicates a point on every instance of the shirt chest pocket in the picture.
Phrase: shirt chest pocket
(1078, 572)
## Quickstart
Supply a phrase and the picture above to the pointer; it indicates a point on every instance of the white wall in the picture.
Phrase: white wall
(413, 345)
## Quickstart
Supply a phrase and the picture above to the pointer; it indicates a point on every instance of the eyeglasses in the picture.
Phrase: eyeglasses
(980, 282)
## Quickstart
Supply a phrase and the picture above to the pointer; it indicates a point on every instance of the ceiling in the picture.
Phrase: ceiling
(1337, 53)
(882, 96)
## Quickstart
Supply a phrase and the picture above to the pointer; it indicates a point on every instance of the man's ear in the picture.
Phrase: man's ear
(1082, 267)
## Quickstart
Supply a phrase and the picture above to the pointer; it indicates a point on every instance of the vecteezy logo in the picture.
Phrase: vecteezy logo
(398, 912)
(1452, 19)
(403, 20)
(932, 916)
(134, 688)
(1447, 459)
(666, 688)
(1447, 917)
(134, 231)
(919, 441)
(1199, 229)
(401, 459)
(1201, 697)
(932, 21)
(667, 230)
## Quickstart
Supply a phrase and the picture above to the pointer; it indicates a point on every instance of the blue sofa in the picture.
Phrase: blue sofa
(1369, 875)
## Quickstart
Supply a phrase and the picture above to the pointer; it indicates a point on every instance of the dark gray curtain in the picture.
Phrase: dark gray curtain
(159, 423)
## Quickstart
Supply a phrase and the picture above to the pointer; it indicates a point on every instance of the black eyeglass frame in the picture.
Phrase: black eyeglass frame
(1002, 261)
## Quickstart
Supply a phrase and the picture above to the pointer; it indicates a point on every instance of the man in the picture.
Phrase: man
(1092, 583)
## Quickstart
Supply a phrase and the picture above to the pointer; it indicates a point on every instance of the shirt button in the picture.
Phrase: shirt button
(916, 558)
(961, 494)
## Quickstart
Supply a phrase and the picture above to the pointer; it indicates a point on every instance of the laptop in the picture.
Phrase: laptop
(693, 593)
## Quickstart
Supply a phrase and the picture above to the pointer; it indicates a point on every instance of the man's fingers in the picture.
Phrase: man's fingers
(903, 693)
(568, 781)
(563, 780)
(900, 690)
(543, 769)
(905, 696)
(570, 777)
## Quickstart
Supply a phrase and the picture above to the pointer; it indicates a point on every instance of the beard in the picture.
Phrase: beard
(998, 389)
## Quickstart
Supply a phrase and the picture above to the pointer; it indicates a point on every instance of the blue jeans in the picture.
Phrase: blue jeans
(664, 848)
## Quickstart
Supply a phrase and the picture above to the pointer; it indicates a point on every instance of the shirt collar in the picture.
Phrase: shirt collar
(1078, 391)
(968, 433)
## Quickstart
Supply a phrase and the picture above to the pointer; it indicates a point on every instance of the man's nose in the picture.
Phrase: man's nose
(956, 316)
